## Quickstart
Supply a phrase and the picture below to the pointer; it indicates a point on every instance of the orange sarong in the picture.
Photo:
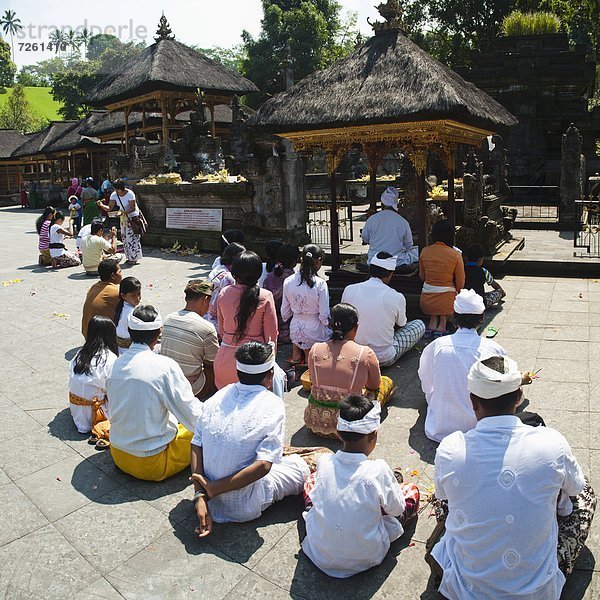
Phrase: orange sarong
(100, 423)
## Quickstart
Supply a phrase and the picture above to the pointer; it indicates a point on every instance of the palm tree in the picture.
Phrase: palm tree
(58, 38)
(84, 38)
(11, 25)
(72, 41)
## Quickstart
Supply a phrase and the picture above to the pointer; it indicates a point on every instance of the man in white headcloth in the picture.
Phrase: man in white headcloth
(388, 231)
(444, 366)
(514, 502)
(153, 408)
(382, 323)
(238, 462)
(355, 506)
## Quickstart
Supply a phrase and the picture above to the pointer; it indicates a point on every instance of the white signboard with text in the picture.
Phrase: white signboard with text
(200, 219)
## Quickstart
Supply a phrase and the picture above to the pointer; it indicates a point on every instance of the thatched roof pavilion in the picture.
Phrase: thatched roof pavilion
(166, 78)
(388, 93)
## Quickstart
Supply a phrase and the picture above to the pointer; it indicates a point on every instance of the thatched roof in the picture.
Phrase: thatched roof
(37, 142)
(389, 79)
(101, 122)
(59, 136)
(168, 65)
(10, 140)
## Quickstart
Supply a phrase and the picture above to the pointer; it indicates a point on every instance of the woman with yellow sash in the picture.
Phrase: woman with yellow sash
(340, 367)
(87, 384)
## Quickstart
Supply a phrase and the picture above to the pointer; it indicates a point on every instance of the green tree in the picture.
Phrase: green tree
(58, 39)
(84, 37)
(99, 43)
(232, 58)
(71, 86)
(72, 41)
(310, 32)
(7, 66)
(11, 25)
(40, 74)
(17, 112)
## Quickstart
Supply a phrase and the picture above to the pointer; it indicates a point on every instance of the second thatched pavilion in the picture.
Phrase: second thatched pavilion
(387, 94)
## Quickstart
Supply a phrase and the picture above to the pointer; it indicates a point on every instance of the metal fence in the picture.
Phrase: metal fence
(318, 218)
(587, 229)
(534, 203)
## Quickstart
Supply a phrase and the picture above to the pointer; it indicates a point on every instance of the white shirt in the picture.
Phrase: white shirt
(122, 326)
(443, 370)
(89, 387)
(239, 425)
(345, 530)
(123, 202)
(502, 481)
(380, 310)
(148, 395)
(83, 233)
(56, 238)
(387, 231)
(308, 307)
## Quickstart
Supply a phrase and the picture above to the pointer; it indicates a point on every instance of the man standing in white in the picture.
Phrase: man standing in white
(388, 231)
(382, 321)
(505, 482)
(444, 366)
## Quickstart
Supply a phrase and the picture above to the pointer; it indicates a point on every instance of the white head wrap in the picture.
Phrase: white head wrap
(469, 302)
(257, 369)
(390, 197)
(389, 264)
(138, 325)
(368, 424)
(487, 383)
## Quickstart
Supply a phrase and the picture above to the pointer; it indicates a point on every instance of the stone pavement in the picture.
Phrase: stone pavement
(72, 526)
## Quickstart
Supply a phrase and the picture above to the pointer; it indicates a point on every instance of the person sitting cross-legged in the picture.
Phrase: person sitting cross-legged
(190, 340)
(382, 313)
(355, 506)
(94, 247)
(239, 466)
(445, 364)
(153, 409)
(513, 494)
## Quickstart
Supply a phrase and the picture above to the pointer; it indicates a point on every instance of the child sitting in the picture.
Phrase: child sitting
(287, 258)
(221, 277)
(306, 302)
(358, 505)
(130, 292)
(476, 276)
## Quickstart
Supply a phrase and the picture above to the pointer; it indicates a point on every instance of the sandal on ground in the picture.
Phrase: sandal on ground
(102, 445)
(296, 363)
(92, 440)
(491, 331)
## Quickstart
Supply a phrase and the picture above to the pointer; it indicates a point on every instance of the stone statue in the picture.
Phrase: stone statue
(571, 173)
(500, 165)
(473, 189)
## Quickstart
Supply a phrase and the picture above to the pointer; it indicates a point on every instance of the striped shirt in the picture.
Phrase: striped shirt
(44, 243)
(190, 341)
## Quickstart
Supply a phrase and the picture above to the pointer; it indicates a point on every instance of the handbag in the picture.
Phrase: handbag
(138, 224)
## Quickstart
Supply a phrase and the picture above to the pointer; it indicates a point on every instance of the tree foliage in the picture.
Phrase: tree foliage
(456, 31)
(18, 114)
(232, 58)
(310, 32)
(7, 66)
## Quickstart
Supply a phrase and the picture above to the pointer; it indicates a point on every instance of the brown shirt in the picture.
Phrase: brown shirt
(102, 299)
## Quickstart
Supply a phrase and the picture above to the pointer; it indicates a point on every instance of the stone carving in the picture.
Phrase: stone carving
(473, 189)
(572, 173)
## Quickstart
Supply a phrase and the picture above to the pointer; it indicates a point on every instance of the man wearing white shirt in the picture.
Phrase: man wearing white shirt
(153, 408)
(238, 467)
(445, 364)
(505, 483)
(382, 321)
(388, 231)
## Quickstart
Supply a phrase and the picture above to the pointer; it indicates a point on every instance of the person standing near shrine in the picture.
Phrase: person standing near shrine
(124, 199)
(388, 231)
(89, 199)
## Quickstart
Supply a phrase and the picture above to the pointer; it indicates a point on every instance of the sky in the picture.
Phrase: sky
(205, 23)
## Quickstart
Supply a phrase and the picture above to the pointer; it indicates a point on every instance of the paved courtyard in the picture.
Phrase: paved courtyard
(73, 526)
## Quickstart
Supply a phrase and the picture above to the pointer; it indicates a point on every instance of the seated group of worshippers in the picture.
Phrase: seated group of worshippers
(512, 504)
(440, 265)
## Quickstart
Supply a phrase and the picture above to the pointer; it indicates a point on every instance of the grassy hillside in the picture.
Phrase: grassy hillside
(40, 100)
